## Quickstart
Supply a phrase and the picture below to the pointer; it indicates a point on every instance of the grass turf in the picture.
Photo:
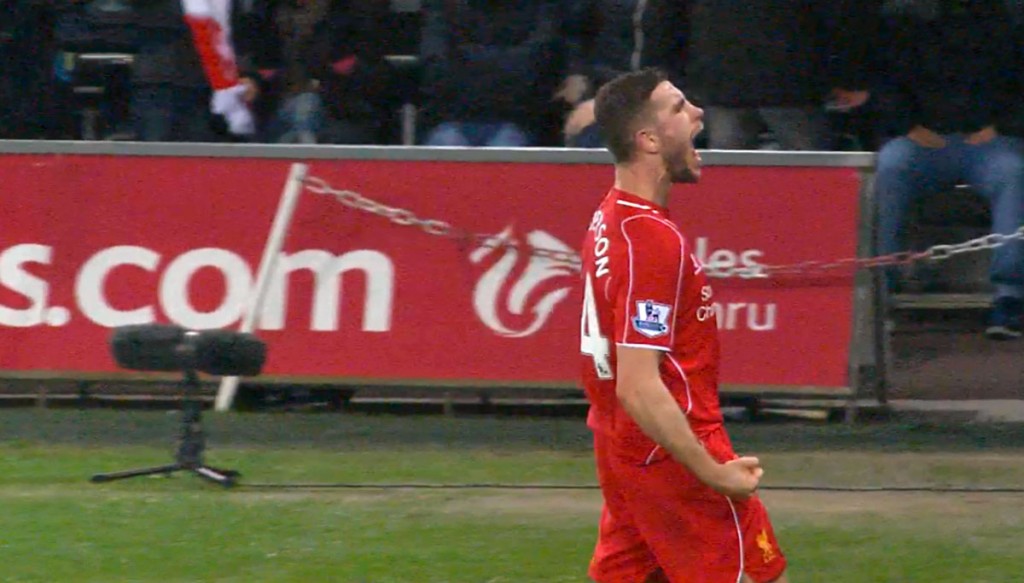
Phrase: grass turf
(59, 527)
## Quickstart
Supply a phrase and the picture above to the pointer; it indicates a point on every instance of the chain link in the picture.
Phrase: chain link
(396, 215)
(408, 218)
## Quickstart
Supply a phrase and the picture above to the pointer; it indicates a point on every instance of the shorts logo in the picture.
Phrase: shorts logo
(651, 318)
(765, 545)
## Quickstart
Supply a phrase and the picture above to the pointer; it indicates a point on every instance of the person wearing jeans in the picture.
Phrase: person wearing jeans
(478, 134)
(953, 77)
(299, 119)
(794, 128)
(910, 168)
(774, 64)
(169, 113)
(488, 71)
(325, 78)
(606, 38)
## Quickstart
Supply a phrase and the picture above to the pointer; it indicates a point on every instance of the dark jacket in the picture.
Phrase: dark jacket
(165, 51)
(337, 46)
(28, 104)
(489, 60)
(604, 40)
(776, 52)
(952, 66)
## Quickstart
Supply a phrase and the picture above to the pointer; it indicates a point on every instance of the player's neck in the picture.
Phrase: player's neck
(647, 183)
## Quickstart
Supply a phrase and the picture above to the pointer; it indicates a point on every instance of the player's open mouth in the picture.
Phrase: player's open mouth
(693, 139)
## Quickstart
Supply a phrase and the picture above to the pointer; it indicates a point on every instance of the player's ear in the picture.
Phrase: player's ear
(646, 140)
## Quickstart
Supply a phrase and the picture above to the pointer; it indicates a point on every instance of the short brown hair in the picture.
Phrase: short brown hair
(619, 104)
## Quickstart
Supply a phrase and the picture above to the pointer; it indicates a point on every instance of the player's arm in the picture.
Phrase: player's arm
(646, 316)
(646, 399)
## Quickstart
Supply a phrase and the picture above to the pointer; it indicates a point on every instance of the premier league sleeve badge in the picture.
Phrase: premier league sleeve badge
(651, 318)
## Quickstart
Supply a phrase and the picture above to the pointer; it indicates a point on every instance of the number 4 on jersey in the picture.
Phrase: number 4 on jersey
(591, 340)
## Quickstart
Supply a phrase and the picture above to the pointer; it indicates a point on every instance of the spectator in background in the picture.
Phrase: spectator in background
(773, 64)
(489, 70)
(329, 81)
(605, 38)
(8, 63)
(954, 83)
(28, 95)
(171, 93)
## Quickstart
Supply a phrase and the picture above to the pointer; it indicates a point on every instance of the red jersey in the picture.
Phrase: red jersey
(643, 287)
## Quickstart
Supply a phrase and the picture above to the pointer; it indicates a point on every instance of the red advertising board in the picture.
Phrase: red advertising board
(93, 242)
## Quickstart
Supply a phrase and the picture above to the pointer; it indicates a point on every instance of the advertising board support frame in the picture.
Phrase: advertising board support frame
(867, 347)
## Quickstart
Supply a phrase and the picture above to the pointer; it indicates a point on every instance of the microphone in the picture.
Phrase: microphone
(226, 353)
(161, 348)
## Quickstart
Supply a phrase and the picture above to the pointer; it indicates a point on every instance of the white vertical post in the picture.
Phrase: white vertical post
(408, 124)
(275, 241)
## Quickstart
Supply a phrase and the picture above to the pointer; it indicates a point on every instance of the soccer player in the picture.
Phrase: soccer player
(679, 504)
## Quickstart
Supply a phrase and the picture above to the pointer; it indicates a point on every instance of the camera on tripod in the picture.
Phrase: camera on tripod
(170, 348)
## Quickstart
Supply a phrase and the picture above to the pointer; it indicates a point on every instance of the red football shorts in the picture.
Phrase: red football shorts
(656, 514)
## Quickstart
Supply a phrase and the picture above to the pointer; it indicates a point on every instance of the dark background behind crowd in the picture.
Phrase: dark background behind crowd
(784, 74)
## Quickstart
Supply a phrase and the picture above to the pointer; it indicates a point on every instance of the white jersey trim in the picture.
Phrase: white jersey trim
(651, 346)
(634, 205)
(739, 536)
(686, 383)
(650, 456)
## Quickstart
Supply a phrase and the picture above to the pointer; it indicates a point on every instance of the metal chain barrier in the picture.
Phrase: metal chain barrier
(407, 218)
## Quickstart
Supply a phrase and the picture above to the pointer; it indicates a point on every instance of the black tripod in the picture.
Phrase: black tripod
(193, 441)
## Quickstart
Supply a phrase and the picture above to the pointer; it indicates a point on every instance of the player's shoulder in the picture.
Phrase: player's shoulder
(636, 220)
(653, 229)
